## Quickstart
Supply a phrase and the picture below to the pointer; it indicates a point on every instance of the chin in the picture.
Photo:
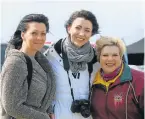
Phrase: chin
(82, 45)
(108, 72)
(77, 45)
(37, 49)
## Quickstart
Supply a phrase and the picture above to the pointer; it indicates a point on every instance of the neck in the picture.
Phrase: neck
(28, 51)
(111, 75)
(73, 44)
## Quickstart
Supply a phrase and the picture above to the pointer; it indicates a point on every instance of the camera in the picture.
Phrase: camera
(81, 106)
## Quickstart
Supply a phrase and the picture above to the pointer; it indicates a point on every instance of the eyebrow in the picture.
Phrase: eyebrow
(109, 53)
(85, 28)
(39, 31)
(88, 28)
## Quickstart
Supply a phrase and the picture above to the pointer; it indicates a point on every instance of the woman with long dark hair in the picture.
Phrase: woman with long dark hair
(23, 98)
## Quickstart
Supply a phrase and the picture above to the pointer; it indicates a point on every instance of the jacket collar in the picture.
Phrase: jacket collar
(126, 75)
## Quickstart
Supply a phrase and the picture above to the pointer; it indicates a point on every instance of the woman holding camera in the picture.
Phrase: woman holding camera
(69, 58)
(118, 90)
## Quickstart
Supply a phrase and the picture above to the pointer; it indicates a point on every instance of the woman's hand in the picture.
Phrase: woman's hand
(52, 116)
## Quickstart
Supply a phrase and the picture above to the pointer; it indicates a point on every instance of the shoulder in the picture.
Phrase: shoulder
(52, 55)
(50, 50)
(96, 66)
(14, 58)
(14, 67)
(54, 48)
(138, 80)
(137, 74)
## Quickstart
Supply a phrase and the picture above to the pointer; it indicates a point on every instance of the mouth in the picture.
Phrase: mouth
(110, 64)
(38, 43)
(80, 39)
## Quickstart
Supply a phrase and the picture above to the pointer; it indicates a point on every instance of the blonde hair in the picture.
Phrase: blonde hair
(109, 41)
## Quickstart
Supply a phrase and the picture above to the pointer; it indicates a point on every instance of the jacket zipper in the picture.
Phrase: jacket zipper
(106, 102)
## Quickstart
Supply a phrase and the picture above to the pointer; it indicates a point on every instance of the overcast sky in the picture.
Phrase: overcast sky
(124, 19)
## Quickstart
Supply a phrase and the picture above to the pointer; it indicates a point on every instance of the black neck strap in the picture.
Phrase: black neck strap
(59, 49)
(66, 68)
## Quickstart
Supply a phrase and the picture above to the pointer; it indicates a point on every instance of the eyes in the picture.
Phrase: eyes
(37, 33)
(87, 30)
(113, 55)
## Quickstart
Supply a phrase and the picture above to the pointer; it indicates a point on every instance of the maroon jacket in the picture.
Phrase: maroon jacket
(119, 102)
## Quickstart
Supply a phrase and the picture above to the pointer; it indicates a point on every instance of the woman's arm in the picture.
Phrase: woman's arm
(139, 89)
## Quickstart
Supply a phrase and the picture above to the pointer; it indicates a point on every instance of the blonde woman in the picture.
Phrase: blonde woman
(118, 90)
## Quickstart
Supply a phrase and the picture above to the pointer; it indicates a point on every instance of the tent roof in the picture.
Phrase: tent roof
(137, 47)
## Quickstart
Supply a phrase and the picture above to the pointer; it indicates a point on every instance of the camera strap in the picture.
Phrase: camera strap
(58, 47)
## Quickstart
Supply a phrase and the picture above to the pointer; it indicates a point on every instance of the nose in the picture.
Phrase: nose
(110, 57)
(81, 33)
(39, 37)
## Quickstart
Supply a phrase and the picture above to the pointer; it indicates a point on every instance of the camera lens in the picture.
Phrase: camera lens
(75, 107)
(81, 106)
(85, 113)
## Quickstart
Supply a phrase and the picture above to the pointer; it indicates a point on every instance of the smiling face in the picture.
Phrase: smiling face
(80, 31)
(34, 37)
(110, 59)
